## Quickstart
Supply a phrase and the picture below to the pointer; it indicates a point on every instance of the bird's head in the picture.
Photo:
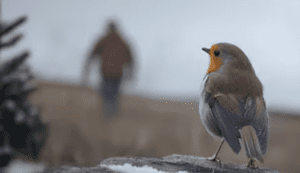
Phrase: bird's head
(222, 54)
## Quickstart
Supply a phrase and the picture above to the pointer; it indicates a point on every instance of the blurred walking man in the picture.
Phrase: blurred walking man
(115, 56)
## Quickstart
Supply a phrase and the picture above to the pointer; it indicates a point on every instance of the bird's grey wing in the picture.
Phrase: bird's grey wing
(260, 120)
(228, 122)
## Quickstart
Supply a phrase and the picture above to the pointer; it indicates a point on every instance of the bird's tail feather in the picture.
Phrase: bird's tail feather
(251, 143)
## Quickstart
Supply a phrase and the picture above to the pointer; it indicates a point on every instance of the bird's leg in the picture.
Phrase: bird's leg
(214, 158)
(251, 164)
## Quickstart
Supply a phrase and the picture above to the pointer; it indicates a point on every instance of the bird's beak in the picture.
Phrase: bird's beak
(206, 50)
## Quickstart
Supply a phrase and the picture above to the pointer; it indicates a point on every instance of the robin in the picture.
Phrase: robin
(232, 106)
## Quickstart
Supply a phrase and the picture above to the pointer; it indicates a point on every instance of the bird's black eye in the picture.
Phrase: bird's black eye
(217, 53)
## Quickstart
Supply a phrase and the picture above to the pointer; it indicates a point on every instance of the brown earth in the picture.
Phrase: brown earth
(146, 127)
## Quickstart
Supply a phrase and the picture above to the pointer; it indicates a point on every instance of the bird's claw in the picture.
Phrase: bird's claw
(215, 159)
(251, 164)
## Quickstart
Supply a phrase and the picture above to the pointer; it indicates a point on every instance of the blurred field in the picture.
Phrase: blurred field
(146, 127)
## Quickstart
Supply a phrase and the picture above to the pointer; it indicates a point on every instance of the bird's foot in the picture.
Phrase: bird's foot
(251, 164)
(215, 159)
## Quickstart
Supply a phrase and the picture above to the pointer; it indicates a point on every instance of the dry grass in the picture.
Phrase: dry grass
(146, 127)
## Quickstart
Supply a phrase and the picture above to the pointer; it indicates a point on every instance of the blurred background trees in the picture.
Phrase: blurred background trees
(22, 133)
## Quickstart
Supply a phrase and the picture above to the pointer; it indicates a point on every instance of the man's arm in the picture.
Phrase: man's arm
(85, 72)
(129, 65)
(95, 52)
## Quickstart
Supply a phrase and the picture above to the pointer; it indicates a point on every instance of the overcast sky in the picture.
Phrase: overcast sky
(167, 37)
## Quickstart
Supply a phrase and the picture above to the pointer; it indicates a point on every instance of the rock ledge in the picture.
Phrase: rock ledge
(173, 163)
